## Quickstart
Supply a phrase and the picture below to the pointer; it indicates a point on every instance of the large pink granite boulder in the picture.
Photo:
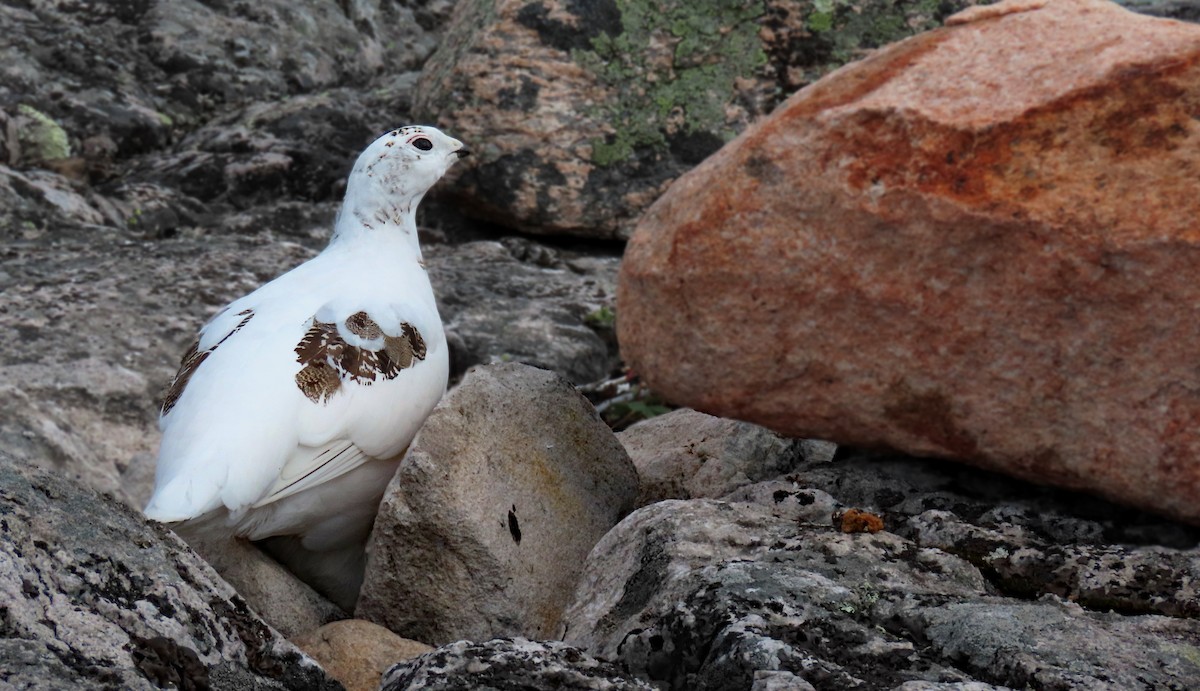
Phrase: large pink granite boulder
(980, 243)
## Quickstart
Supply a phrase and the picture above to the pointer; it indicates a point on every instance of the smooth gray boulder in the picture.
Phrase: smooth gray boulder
(96, 598)
(485, 527)
(686, 454)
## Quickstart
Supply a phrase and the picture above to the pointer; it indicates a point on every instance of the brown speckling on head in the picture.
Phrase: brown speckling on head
(192, 360)
(323, 348)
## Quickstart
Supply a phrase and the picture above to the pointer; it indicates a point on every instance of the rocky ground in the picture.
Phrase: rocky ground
(158, 159)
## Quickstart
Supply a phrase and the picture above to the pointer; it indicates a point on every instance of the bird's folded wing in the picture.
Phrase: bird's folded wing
(309, 467)
(342, 351)
(269, 403)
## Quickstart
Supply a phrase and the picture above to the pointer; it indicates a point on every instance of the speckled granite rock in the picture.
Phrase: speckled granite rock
(508, 664)
(1027, 541)
(585, 111)
(484, 529)
(703, 595)
(127, 77)
(515, 300)
(94, 598)
(897, 258)
(285, 602)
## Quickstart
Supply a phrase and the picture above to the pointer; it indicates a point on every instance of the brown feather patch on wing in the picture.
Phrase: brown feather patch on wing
(191, 361)
(328, 359)
(362, 325)
(318, 381)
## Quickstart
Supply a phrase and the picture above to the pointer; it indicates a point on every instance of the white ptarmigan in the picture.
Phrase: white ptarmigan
(291, 411)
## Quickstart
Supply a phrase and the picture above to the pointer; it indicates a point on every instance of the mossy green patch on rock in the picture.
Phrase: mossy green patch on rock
(673, 67)
(42, 137)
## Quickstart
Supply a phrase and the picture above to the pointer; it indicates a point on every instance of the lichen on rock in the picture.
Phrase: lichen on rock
(42, 139)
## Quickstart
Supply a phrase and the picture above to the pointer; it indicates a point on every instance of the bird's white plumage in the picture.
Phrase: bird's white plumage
(252, 446)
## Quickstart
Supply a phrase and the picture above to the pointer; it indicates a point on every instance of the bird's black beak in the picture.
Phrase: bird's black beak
(463, 152)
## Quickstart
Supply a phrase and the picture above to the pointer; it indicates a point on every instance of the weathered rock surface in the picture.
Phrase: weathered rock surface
(94, 597)
(484, 529)
(706, 595)
(285, 602)
(508, 664)
(1027, 541)
(122, 79)
(520, 301)
(686, 454)
(585, 111)
(898, 258)
(357, 652)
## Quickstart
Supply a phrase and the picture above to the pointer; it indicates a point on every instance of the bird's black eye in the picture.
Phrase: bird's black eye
(423, 144)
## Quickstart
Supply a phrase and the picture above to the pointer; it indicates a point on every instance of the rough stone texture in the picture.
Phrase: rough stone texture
(484, 529)
(704, 595)
(898, 258)
(520, 301)
(124, 78)
(1027, 541)
(502, 664)
(690, 455)
(357, 652)
(95, 598)
(585, 111)
(285, 602)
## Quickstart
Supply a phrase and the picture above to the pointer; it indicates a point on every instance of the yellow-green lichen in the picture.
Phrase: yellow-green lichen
(853, 27)
(41, 137)
(712, 44)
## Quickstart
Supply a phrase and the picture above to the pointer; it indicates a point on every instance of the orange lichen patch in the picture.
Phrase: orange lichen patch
(858, 521)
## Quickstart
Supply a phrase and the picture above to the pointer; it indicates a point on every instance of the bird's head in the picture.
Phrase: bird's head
(397, 169)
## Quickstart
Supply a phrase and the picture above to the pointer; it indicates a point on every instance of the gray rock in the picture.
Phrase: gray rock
(703, 595)
(791, 501)
(687, 454)
(775, 680)
(520, 301)
(1100, 577)
(948, 686)
(508, 664)
(94, 597)
(485, 527)
(1028, 541)
(134, 74)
